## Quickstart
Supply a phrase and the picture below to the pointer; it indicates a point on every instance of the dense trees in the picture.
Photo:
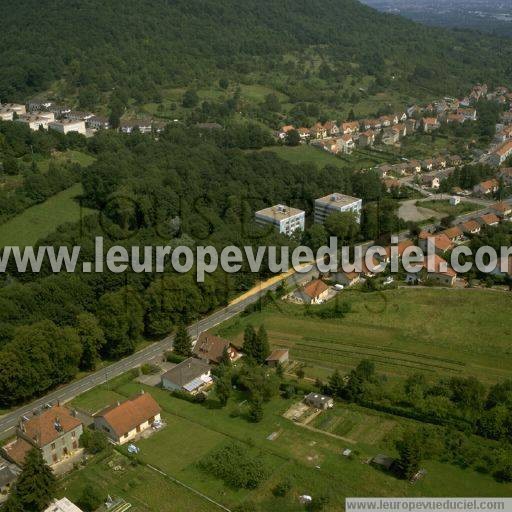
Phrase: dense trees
(34, 488)
(182, 341)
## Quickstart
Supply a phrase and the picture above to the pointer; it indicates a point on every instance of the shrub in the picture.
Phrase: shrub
(94, 441)
(172, 357)
(149, 369)
(236, 466)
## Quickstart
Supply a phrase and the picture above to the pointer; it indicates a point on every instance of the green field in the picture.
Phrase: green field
(360, 159)
(309, 457)
(41, 220)
(444, 206)
(433, 331)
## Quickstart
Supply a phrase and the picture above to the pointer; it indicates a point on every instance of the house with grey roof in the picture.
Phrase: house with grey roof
(191, 376)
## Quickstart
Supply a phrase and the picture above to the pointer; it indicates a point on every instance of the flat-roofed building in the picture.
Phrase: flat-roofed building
(37, 120)
(18, 108)
(68, 125)
(62, 505)
(337, 202)
(284, 218)
(6, 115)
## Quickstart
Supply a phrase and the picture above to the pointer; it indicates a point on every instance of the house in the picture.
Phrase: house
(506, 117)
(315, 292)
(441, 242)
(319, 401)
(390, 136)
(67, 126)
(367, 138)
(427, 165)
(349, 127)
(8, 475)
(383, 170)
(124, 421)
(191, 376)
(502, 209)
(16, 108)
(503, 267)
(76, 115)
(429, 124)
(98, 123)
(304, 133)
(455, 118)
(431, 181)
(55, 431)
(490, 219)
(469, 114)
(400, 248)
(385, 121)
(318, 131)
(440, 272)
(454, 200)
(36, 121)
(505, 174)
(440, 162)
(285, 219)
(501, 153)
(411, 125)
(62, 505)
(278, 356)
(347, 278)
(471, 227)
(210, 349)
(391, 184)
(6, 115)
(332, 128)
(347, 144)
(59, 110)
(39, 104)
(455, 234)
(454, 160)
(414, 166)
(486, 187)
(337, 202)
(372, 270)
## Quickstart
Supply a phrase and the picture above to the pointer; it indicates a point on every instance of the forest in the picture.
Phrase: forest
(154, 192)
(93, 47)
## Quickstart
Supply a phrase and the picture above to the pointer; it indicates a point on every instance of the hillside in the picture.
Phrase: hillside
(144, 45)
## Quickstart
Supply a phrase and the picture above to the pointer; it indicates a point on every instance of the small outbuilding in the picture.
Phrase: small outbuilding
(319, 401)
(278, 356)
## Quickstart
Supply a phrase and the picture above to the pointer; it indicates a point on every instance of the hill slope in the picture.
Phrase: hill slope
(144, 44)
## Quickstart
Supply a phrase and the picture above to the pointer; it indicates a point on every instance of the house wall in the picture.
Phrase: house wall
(102, 425)
(441, 279)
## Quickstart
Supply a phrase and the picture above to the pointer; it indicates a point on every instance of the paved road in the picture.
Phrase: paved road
(65, 393)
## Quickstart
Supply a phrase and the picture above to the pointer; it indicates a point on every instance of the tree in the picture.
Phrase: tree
(342, 225)
(190, 99)
(272, 103)
(91, 498)
(256, 409)
(224, 83)
(35, 486)
(292, 138)
(92, 340)
(182, 342)
(261, 346)
(410, 454)
(250, 340)
(94, 441)
(223, 387)
(336, 384)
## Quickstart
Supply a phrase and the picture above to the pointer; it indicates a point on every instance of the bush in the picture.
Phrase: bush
(236, 466)
(94, 441)
(149, 369)
(282, 489)
(90, 499)
(194, 399)
(171, 357)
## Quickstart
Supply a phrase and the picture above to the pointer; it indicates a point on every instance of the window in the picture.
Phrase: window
(73, 434)
(53, 446)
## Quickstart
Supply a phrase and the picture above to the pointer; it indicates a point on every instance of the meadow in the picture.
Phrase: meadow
(428, 330)
(444, 206)
(40, 220)
(310, 458)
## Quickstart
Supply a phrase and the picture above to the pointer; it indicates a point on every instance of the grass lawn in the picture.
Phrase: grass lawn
(433, 331)
(444, 206)
(40, 220)
(309, 458)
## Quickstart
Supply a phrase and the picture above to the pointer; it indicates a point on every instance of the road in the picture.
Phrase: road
(9, 421)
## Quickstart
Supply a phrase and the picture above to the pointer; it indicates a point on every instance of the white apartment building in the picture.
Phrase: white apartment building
(337, 202)
(14, 107)
(37, 120)
(67, 125)
(284, 218)
(6, 115)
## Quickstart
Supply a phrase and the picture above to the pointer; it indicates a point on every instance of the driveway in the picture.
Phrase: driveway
(409, 211)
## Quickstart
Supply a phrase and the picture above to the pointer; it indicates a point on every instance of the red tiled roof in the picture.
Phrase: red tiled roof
(210, 347)
(489, 219)
(130, 414)
(315, 288)
(17, 450)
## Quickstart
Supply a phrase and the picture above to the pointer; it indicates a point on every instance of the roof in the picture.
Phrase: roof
(336, 199)
(186, 371)
(383, 460)
(490, 218)
(504, 149)
(50, 425)
(7, 475)
(315, 288)
(210, 347)
(17, 450)
(441, 241)
(452, 233)
(279, 212)
(440, 266)
(501, 207)
(277, 354)
(317, 398)
(62, 505)
(488, 184)
(470, 225)
(127, 415)
(404, 244)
